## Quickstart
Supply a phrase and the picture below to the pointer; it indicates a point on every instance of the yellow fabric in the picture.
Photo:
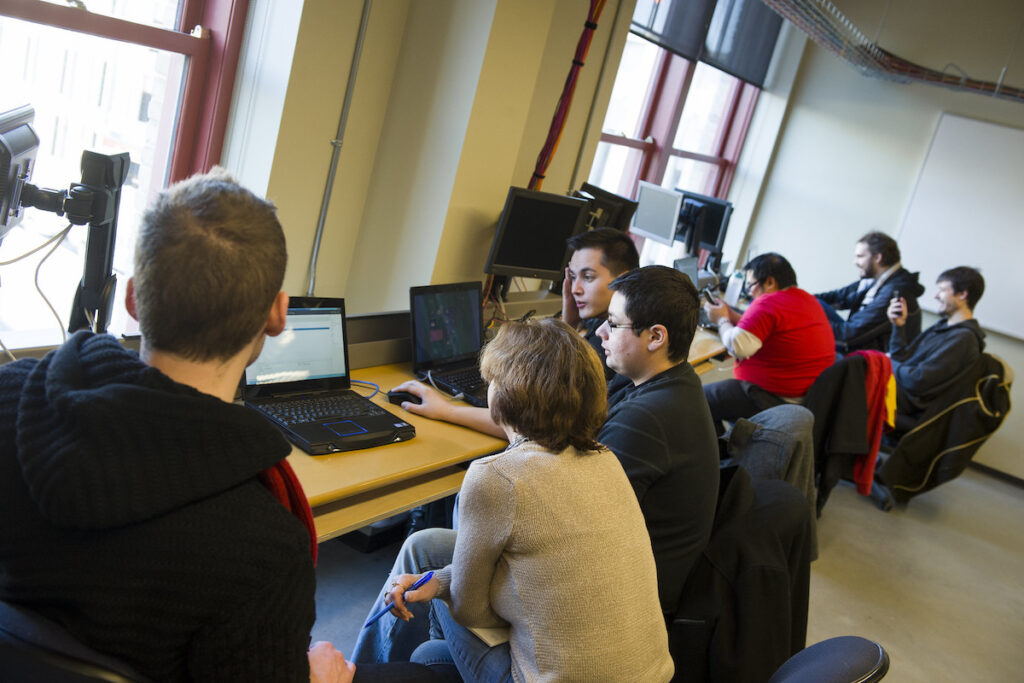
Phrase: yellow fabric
(890, 401)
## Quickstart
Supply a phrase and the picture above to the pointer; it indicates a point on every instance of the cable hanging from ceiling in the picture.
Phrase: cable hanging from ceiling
(827, 26)
(562, 110)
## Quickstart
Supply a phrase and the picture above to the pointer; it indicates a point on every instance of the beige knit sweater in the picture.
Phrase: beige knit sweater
(554, 545)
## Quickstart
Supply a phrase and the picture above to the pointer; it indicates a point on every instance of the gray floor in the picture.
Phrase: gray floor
(939, 583)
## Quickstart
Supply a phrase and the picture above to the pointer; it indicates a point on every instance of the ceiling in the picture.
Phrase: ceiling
(977, 40)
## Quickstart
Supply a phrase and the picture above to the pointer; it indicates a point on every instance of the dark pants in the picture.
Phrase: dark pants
(732, 399)
(830, 313)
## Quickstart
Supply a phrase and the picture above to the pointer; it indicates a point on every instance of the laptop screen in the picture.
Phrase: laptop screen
(311, 347)
(309, 355)
(446, 324)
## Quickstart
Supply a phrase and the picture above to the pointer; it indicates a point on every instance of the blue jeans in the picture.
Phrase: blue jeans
(390, 639)
(475, 660)
(731, 399)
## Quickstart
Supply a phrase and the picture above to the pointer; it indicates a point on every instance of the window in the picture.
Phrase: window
(130, 76)
(673, 122)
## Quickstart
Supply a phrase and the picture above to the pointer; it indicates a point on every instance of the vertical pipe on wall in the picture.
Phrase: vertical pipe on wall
(336, 144)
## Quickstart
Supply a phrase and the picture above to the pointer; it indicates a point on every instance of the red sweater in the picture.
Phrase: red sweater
(796, 342)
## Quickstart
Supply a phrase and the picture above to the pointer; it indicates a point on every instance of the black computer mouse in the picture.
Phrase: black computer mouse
(397, 397)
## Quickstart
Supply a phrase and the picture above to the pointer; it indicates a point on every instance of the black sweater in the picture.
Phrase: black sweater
(867, 327)
(133, 517)
(661, 432)
(926, 365)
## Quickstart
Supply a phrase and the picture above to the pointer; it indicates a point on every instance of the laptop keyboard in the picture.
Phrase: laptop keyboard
(299, 411)
(466, 381)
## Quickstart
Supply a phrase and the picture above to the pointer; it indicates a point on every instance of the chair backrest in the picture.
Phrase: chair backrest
(844, 659)
(944, 439)
(33, 648)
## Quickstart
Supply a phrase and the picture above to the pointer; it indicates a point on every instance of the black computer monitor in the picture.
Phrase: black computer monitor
(18, 145)
(607, 209)
(532, 231)
(705, 221)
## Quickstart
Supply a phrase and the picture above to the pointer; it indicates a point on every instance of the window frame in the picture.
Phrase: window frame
(211, 64)
(666, 99)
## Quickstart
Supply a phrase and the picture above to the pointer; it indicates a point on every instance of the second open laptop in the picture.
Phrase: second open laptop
(447, 334)
(301, 383)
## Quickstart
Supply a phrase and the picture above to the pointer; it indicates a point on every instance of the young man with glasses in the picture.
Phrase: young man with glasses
(781, 343)
(658, 423)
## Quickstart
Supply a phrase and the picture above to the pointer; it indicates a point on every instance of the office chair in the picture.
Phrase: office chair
(844, 659)
(33, 648)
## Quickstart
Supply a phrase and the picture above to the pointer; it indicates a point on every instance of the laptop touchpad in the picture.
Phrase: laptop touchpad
(345, 428)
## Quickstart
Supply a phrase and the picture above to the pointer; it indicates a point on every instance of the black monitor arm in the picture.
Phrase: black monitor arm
(94, 201)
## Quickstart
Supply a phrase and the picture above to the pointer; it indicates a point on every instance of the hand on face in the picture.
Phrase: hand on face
(570, 313)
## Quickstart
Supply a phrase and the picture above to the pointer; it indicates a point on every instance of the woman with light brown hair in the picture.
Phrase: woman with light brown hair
(551, 543)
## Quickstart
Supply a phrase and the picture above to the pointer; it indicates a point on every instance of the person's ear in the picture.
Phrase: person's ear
(770, 284)
(278, 316)
(659, 337)
(129, 299)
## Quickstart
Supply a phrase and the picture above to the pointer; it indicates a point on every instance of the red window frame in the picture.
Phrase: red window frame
(211, 62)
(666, 99)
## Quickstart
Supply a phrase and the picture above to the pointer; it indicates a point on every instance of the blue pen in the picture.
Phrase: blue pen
(387, 608)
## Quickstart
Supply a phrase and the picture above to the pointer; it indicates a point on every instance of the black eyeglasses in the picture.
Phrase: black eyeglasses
(624, 326)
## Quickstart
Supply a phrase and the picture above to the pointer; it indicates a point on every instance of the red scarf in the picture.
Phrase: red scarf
(285, 486)
(876, 381)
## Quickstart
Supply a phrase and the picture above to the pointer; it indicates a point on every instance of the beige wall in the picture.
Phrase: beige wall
(451, 106)
(846, 162)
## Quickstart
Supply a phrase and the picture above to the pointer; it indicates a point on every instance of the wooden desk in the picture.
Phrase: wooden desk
(349, 490)
(352, 489)
(705, 345)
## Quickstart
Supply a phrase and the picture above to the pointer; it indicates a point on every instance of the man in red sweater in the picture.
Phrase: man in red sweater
(781, 343)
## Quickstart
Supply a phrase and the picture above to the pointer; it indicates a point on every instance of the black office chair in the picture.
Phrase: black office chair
(33, 648)
(844, 659)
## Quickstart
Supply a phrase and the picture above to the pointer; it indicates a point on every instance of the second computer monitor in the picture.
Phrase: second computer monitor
(607, 209)
(706, 220)
(657, 212)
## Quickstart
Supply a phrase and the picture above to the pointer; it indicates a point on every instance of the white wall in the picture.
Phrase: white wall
(846, 162)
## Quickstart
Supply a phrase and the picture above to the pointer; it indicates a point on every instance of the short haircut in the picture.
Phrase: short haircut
(659, 295)
(209, 261)
(880, 243)
(772, 265)
(964, 279)
(547, 384)
(619, 254)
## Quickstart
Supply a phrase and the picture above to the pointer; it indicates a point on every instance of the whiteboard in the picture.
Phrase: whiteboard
(968, 210)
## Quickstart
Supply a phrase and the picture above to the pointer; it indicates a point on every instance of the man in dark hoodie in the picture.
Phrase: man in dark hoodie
(928, 363)
(882, 277)
(135, 512)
